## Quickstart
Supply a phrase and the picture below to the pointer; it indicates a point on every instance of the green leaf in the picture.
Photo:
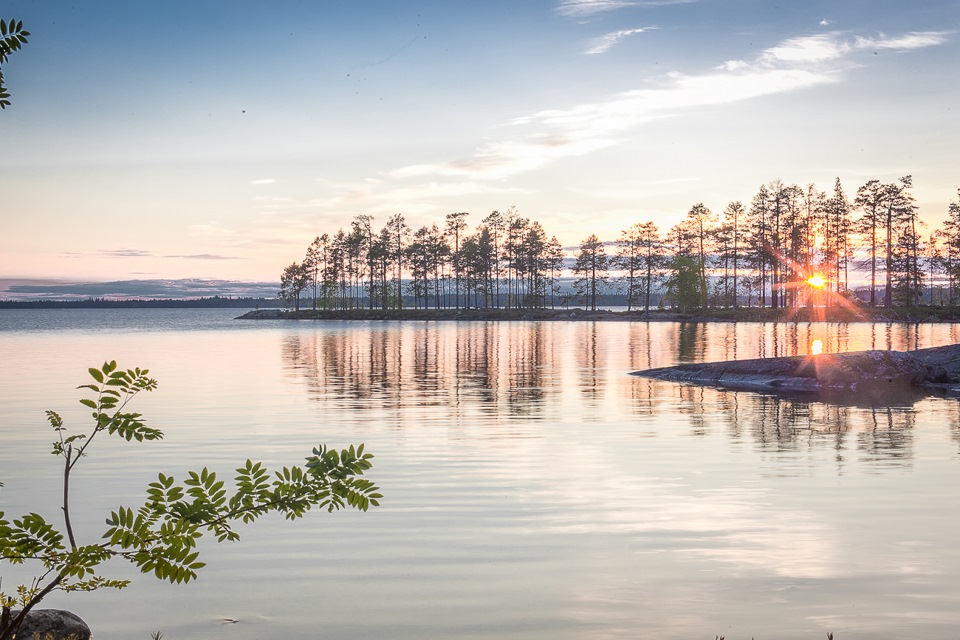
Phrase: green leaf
(55, 420)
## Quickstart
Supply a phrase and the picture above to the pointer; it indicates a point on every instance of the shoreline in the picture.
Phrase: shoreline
(869, 377)
(914, 315)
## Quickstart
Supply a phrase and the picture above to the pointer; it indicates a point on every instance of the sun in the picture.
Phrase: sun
(816, 281)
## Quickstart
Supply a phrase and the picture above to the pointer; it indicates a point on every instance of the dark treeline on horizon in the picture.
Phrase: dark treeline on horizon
(791, 246)
(139, 303)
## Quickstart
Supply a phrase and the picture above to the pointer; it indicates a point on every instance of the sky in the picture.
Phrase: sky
(215, 139)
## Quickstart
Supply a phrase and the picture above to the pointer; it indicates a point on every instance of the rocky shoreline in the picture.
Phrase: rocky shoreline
(863, 376)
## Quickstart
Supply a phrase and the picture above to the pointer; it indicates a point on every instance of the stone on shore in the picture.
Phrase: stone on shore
(52, 624)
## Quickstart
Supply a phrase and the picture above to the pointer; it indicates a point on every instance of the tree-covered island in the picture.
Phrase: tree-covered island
(791, 250)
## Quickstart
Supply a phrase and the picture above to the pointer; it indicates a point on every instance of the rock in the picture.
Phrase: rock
(52, 624)
(869, 373)
(262, 314)
(945, 359)
(864, 370)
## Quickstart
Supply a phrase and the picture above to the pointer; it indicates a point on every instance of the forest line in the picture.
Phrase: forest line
(789, 244)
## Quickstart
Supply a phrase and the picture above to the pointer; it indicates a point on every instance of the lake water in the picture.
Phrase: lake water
(533, 489)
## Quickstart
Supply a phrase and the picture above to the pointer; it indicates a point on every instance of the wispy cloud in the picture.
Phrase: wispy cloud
(540, 138)
(204, 256)
(826, 47)
(504, 158)
(124, 253)
(141, 253)
(803, 50)
(914, 40)
(590, 7)
(212, 229)
(263, 181)
(382, 197)
(603, 43)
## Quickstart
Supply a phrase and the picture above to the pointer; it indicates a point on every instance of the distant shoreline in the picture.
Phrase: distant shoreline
(753, 314)
(215, 302)
(268, 309)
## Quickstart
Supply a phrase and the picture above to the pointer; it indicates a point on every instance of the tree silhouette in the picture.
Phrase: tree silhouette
(591, 268)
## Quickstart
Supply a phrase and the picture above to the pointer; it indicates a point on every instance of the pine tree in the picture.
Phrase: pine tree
(870, 201)
(629, 260)
(702, 221)
(733, 217)
(899, 220)
(758, 241)
(950, 235)
(396, 230)
(456, 225)
(837, 236)
(591, 269)
(294, 279)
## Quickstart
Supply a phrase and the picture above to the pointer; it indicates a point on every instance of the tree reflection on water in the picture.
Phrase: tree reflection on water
(577, 372)
(390, 366)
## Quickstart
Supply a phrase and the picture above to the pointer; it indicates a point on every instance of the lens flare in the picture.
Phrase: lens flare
(816, 281)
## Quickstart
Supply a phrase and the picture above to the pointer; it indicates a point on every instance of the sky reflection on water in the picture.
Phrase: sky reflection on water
(533, 488)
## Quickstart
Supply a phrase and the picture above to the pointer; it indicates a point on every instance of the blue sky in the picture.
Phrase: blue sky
(214, 139)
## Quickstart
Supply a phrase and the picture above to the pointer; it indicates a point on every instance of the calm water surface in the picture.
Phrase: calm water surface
(533, 488)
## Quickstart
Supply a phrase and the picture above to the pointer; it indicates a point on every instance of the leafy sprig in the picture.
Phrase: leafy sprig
(12, 38)
(160, 536)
